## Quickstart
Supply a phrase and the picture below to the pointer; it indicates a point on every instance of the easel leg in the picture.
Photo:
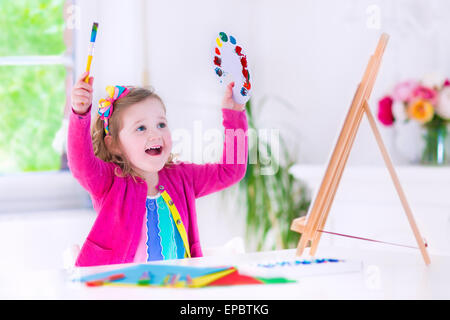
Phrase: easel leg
(397, 185)
(301, 245)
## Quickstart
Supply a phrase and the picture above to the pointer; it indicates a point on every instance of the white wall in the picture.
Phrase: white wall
(309, 53)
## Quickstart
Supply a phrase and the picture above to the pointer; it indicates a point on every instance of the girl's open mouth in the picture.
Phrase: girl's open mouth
(154, 151)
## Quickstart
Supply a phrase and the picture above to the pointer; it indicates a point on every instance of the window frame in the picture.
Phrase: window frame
(42, 189)
(66, 59)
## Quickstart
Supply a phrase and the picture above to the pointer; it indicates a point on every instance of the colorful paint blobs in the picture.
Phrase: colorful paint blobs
(298, 262)
(245, 73)
(236, 62)
(219, 72)
(96, 283)
(217, 61)
(144, 280)
(244, 61)
(319, 261)
(174, 279)
(188, 280)
(94, 31)
(223, 36)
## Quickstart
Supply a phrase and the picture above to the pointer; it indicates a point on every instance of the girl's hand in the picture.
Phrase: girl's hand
(82, 94)
(228, 101)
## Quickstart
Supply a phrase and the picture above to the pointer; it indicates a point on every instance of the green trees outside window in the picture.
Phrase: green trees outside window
(32, 95)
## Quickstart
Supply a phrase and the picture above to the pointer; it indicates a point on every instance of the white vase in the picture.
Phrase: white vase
(408, 141)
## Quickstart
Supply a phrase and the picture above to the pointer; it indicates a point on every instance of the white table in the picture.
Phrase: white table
(384, 274)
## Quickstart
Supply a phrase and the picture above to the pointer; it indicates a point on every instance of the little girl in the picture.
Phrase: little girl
(145, 200)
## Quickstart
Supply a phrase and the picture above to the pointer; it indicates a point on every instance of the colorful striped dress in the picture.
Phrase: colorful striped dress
(160, 239)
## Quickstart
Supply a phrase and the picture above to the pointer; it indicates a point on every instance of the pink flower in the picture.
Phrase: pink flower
(424, 93)
(403, 90)
(447, 83)
(443, 105)
(385, 111)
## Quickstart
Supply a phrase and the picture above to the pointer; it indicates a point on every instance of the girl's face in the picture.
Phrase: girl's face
(145, 136)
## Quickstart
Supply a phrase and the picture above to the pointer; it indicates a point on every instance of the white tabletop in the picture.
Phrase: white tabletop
(384, 274)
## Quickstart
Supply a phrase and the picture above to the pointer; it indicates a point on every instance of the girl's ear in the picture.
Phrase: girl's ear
(111, 146)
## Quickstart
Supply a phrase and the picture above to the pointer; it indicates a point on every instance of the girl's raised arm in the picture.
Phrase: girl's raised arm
(212, 177)
(92, 173)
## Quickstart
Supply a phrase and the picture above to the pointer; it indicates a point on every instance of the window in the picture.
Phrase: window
(35, 61)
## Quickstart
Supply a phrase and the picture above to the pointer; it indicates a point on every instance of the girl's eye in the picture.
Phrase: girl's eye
(161, 125)
(141, 128)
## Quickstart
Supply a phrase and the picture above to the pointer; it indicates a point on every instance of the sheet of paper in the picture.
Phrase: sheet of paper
(158, 273)
(298, 268)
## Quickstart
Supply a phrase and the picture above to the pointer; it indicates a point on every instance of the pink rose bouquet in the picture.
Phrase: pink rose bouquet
(420, 103)
(429, 105)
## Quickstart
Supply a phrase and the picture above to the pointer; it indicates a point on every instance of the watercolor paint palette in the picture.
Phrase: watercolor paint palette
(298, 268)
(230, 63)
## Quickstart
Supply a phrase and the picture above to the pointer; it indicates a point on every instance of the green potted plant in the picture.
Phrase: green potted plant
(271, 200)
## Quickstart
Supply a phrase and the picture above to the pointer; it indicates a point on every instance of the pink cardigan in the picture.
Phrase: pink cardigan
(120, 202)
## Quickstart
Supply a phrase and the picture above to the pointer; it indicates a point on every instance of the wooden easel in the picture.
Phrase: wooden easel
(311, 226)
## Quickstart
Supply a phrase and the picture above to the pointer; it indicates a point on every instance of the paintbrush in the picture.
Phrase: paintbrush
(91, 49)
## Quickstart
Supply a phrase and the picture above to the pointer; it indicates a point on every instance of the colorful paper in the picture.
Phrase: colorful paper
(152, 275)
(235, 278)
(157, 274)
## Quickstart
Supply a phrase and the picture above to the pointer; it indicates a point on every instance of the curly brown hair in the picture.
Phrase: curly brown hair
(136, 94)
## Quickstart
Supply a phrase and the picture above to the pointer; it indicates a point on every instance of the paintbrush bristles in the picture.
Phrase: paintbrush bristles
(94, 31)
